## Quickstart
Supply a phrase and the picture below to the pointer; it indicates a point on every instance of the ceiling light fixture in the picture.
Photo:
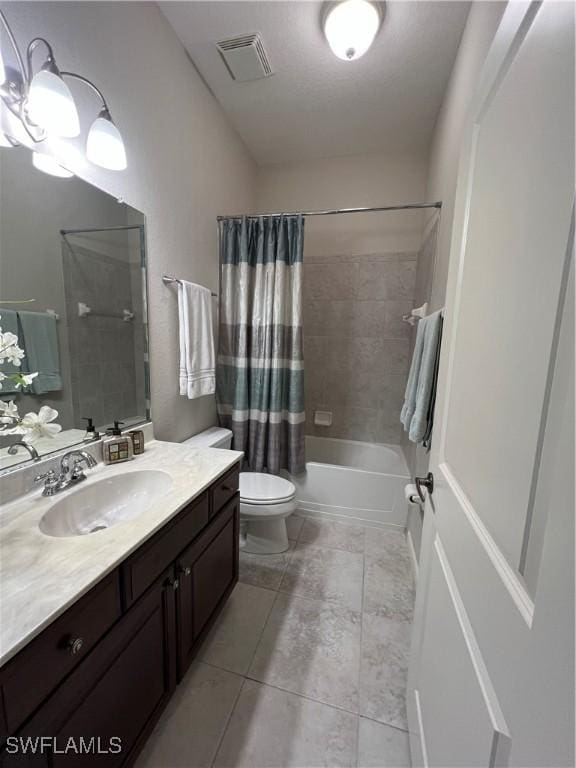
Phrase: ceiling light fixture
(350, 27)
(43, 103)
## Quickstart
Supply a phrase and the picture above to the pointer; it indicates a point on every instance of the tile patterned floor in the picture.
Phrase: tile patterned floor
(306, 665)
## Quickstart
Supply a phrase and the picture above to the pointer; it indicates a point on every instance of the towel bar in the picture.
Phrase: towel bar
(169, 279)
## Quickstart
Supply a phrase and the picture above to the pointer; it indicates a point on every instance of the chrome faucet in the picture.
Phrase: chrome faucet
(13, 449)
(76, 473)
(71, 472)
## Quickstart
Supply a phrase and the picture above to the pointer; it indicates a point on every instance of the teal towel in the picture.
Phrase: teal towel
(431, 338)
(409, 406)
(9, 323)
(417, 411)
(41, 346)
(427, 439)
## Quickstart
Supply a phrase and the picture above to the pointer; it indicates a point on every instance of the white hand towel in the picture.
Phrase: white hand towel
(197, 359)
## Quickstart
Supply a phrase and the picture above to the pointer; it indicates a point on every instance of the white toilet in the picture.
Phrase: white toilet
(265, 500)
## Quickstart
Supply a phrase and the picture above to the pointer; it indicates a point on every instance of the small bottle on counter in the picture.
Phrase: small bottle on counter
(116, 447)
(92, 433)
(137, 437)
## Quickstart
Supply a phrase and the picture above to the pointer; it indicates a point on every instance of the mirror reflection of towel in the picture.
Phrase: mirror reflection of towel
(40, 337)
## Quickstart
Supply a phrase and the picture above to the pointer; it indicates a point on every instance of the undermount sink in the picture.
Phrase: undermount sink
(107, 502)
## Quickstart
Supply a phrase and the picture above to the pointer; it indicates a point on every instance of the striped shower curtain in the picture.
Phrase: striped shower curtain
(260, 367)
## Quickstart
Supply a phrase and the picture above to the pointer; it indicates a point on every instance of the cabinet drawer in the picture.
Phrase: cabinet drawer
(28, 679)
(148, 562)
(224, 488)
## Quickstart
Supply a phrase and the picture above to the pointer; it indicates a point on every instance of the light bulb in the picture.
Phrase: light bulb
(104, 146)
(48, 164)
(350, 28)
(50, 104)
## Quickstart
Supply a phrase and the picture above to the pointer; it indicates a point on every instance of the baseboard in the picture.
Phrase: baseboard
(413, 555)
(352, 517)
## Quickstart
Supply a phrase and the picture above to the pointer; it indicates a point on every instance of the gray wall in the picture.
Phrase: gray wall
(356, 346)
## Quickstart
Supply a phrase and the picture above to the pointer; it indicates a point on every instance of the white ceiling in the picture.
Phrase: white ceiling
(316, 105)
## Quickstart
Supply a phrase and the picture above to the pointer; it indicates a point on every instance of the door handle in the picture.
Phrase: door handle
(424, 482)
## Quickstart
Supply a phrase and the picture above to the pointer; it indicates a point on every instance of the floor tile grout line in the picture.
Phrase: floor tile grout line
(260, 636)
(304, 696)
(227, 723)
(382, 722)
(361, 646)
(358, 714)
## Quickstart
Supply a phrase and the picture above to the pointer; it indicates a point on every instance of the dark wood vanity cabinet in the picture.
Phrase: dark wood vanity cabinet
(207, 572)
(140, 629)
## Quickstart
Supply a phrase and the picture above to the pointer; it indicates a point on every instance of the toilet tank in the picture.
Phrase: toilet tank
(215, 437)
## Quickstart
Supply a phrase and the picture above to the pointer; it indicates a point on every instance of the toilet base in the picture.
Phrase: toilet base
(264, 537)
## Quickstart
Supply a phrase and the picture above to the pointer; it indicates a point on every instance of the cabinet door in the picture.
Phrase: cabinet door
(208, 571)
(105, 710)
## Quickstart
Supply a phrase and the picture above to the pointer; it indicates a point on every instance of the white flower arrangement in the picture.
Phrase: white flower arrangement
(32, 425)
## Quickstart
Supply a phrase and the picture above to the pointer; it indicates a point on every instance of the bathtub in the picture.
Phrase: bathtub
(349, 479)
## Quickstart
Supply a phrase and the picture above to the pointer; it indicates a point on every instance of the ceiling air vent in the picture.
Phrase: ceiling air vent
(245, 57)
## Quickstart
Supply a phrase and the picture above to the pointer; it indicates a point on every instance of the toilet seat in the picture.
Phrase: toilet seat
(260, 489)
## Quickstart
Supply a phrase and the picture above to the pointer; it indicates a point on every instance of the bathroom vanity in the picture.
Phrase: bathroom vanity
(98, 629)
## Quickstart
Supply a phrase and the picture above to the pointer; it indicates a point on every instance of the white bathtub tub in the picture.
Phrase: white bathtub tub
(349, 479)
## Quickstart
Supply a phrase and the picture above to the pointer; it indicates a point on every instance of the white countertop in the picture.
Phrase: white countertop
(41, 576)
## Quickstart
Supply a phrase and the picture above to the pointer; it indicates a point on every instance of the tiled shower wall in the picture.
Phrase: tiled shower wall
(356, 347)
(105, 373)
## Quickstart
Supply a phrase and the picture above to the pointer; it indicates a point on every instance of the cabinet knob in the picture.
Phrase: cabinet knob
(185, 571)
(170, 582)
(75, 645)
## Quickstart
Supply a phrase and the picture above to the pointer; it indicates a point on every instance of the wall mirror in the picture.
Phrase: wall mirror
(73, 290)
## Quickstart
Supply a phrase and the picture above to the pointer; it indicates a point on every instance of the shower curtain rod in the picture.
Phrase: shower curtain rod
(119, 227)
(335, 211)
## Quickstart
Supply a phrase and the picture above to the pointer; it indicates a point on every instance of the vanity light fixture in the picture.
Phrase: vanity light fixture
(350, 27)
(104, 145)
(50, 104)
(43, 103)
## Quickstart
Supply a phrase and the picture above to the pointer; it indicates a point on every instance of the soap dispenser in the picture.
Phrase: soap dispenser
(92, 433)
(116, 447)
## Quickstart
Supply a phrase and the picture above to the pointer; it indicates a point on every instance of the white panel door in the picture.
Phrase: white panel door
(491, 678)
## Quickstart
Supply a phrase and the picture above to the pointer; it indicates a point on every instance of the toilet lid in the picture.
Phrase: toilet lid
(259, 488)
